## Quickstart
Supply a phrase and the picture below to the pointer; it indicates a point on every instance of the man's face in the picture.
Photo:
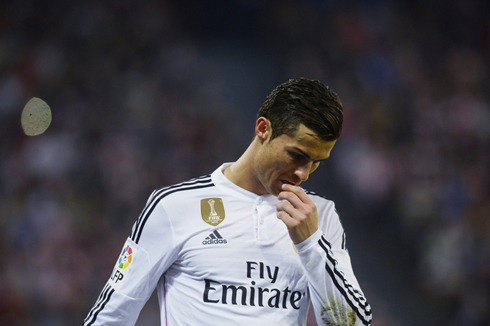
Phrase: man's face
(288, 159)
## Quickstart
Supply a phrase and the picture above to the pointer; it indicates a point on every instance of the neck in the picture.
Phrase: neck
(242, 171)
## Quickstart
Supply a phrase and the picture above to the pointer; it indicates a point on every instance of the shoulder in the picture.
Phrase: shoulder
(183, 189)
(178, 196)
(321, 201)
(328, 217)
(167, 205)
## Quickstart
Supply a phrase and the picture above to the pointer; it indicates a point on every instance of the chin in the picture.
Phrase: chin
(274, 193)
(275, 190)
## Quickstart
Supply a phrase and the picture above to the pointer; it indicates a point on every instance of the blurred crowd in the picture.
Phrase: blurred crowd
(150, 93)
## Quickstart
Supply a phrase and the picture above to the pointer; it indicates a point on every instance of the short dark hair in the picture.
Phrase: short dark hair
(303, 101)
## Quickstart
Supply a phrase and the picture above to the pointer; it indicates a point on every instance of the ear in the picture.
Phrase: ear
(263, 129)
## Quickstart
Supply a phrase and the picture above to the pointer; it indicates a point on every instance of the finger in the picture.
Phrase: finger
(304, 208)
(286, 207)
(291, 197)
(287, 219)
(301, 213)
(298, 192)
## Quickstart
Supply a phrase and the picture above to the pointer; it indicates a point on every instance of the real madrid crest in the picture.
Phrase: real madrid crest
(212, 211)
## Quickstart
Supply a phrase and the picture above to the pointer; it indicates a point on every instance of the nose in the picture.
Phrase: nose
(303, 171)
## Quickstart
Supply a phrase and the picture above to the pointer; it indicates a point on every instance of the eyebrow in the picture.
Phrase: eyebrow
(308, 156)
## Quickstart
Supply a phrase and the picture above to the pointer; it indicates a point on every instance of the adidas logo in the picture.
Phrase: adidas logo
(214, 238)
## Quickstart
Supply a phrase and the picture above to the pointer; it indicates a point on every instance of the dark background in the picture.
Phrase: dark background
(150, 93)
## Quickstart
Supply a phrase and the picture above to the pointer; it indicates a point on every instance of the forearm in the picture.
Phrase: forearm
(335, 293)
(114, 308)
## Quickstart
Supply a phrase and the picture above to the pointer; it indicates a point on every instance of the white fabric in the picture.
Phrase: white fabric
(243, 271)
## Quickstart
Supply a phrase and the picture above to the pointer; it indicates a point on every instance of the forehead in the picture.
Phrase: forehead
(308, 142)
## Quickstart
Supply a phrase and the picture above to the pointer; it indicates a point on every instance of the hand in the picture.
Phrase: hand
(298, 212)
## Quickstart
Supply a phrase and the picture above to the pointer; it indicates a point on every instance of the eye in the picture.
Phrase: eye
(295, 155)
(298, 157)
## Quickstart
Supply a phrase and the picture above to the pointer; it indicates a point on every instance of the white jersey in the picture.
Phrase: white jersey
(218, 255)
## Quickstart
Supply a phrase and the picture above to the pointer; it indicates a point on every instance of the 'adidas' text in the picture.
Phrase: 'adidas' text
(215, 241)
(214, 238)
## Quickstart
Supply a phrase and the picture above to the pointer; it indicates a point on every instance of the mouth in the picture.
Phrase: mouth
(288, 182)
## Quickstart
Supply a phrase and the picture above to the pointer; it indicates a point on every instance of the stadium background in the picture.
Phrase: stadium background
(150, 93)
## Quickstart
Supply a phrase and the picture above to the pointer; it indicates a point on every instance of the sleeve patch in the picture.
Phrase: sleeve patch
(122, 269)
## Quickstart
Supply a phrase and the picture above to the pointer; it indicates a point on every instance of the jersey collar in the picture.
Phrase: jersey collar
(221, 181)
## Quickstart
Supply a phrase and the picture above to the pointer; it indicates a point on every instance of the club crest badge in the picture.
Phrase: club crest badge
(212, 211)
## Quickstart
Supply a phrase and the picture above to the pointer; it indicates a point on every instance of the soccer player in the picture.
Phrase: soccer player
(246, 245)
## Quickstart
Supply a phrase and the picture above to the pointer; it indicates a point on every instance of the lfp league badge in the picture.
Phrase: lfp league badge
(125, 258)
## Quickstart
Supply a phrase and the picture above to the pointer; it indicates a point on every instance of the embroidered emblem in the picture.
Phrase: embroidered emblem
(212, 211)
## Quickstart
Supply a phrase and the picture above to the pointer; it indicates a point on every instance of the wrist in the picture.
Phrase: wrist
(310, 241)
